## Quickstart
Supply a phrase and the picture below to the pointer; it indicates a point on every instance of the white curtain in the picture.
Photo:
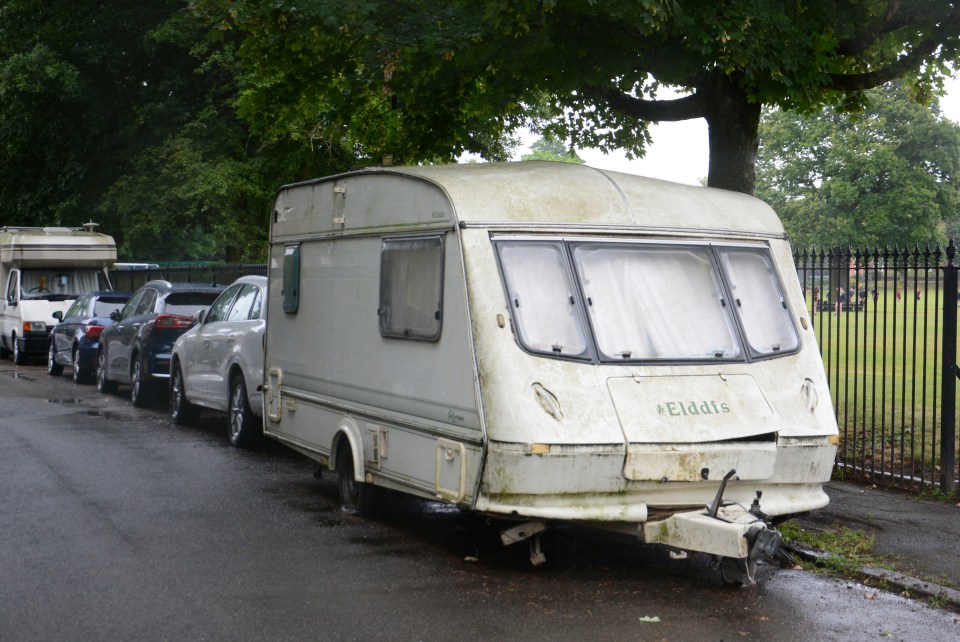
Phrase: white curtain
(759, 301)
(655, 303)
(542, 298)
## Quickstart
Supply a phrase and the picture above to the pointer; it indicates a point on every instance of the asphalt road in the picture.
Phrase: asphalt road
(117, 525)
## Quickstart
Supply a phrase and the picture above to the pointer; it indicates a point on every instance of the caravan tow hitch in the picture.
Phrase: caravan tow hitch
(738, 537)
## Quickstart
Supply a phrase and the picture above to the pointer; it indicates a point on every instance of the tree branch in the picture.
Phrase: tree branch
(877, 77)
(894, 17)
(685, 108)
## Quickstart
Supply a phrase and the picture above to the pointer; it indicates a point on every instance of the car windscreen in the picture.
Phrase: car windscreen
(60, 283)
(186, 303)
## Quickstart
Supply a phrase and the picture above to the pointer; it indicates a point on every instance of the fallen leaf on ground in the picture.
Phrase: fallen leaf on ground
(648, 618)
(870, 596)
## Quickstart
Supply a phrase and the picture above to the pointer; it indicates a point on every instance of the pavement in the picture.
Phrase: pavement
(920, 539)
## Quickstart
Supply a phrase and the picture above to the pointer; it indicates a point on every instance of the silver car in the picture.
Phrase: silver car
(218, 363)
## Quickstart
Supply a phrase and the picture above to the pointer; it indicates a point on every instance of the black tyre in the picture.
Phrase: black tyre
(356, 498)
(182, 412)
(54, 369)
(244, 430)
(140, 389)
(104, 385)
(79, 374)
(19, 358)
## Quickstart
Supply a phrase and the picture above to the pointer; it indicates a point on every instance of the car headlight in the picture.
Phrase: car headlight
(34, 326)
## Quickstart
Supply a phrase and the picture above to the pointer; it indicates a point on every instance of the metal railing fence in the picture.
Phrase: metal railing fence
(130, 280)
(886, 322)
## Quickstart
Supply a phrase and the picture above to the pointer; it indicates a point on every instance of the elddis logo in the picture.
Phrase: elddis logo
(687, 408)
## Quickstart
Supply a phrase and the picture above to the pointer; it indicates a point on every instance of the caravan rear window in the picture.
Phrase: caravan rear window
(616, 302)
(411, 288)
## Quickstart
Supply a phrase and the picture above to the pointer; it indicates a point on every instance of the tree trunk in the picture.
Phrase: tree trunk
(733, 125)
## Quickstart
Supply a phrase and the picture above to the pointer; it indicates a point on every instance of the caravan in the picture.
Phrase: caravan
(546, 342)
(42, 271)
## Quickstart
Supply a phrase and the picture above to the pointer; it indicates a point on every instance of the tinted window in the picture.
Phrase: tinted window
(130, 308)
(411, 288)
(147, 303)
(103, 306)
(219, 308)
(79, 308)
(241, 307)
(186, 303)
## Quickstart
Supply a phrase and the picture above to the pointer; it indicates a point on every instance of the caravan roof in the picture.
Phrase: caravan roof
(553, 193)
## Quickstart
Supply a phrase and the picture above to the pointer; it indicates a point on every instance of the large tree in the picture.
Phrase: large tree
(123, 112)
(431, 79)
(886, 176)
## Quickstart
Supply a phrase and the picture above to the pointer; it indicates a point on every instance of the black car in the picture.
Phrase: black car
(136, 350)
(75, 340)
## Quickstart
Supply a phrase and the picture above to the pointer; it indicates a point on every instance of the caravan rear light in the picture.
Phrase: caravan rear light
(173, 321)
(93, 331)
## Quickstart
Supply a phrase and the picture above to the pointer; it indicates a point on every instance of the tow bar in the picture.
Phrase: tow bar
(737, 536)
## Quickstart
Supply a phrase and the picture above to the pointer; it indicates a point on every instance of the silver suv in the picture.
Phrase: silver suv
(218, 363)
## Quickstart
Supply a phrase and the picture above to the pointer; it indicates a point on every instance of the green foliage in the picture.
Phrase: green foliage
(429, 80)
(885, 176)
(123, 112)
(550, 149)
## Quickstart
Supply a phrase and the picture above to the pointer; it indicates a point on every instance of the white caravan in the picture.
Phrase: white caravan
(547, 342)
(42, 271)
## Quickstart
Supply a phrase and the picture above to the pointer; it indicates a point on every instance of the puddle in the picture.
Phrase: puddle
(105, 414)
(17, 375)
(64, 401)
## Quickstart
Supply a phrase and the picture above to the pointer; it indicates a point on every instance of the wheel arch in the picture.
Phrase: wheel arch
(349, 432)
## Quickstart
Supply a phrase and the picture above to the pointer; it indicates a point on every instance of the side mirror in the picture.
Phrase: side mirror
(115, 316)
(58, 315)
(199, 317)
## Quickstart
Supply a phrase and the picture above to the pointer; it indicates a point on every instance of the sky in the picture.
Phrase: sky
(679, 151)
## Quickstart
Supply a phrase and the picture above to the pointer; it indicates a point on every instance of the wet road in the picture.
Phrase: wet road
(117, 525)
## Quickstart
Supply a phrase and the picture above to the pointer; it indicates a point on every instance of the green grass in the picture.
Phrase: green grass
(883, 364)
(849, 550)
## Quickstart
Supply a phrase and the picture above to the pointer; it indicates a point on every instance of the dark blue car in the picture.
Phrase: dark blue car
(74, 341)
(136, 350)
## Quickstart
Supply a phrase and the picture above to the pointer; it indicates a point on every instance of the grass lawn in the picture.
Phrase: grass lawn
(884, 365)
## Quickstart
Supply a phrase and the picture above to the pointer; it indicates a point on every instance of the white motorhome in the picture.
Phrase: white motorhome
(42, 271)
(546, 342)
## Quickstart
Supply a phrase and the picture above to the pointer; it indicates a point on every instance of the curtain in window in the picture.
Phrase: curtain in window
(542, 298)
(759, 302)
(655, 303)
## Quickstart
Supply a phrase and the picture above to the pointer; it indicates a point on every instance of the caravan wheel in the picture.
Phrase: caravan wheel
(356, 498)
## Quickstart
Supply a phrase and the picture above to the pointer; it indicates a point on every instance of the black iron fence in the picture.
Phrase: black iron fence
(886, 322)
(130, 280)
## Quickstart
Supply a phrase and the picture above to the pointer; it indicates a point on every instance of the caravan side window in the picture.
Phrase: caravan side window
(291, 279)
(411, 288)
(759, 301)
(542, 299)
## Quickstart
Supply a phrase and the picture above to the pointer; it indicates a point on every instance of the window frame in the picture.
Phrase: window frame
(382, 305)
(746, 352)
